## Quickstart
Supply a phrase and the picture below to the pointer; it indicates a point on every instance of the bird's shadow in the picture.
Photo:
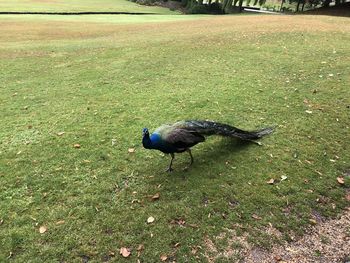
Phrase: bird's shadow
(205, 155)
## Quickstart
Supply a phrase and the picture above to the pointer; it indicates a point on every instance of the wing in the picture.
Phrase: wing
(182, 138)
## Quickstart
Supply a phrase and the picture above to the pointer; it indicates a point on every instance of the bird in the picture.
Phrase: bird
(180, 136)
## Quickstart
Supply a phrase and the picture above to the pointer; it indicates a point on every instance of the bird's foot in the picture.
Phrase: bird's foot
(169, 170)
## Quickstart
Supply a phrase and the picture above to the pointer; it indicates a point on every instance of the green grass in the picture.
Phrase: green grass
(99, 84)
(78, 6)
(109, 19)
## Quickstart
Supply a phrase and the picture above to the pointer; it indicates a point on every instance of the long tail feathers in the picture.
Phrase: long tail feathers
(215, 128)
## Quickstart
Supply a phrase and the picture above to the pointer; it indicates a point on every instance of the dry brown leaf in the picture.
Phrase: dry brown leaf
(155, 197)
(256, 217)
(131, 150)
(319, 173)
(125, 252)
(150, 220)
(77, 145)
(1, 221)
(140, 247)
(61, 222)
(340, 180)
(60, 133)
(313, 221)
(179, 222)
(271, 181)
(278, 258)
(42, 229)
(163, 257)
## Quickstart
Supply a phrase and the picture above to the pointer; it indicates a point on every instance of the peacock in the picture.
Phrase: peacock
(182, 135)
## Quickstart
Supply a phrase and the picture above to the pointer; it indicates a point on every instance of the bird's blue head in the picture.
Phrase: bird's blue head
(145, 132)
(146, 141)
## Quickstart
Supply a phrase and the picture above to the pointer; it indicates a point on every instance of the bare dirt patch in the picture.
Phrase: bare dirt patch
(327, 242)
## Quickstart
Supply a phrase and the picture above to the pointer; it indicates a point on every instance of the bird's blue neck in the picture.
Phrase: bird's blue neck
(150, 142)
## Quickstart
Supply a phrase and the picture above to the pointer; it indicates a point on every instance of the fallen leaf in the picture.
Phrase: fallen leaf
(60, 133)
(140, 247)
(313, 221)
(131, 150)
(308, 111)
(283, 177)
(77, 145)
(278, 258)
(139, 250)
(194, 251)
(271, 181)
(340, 180)
(125, 252)
(179, 222)
(155, 197)
(256, 217)
(163, 257)
(150, 220)
(1, 221)
(308, 162)
(61, 222)
(319, 173)
(42, 229)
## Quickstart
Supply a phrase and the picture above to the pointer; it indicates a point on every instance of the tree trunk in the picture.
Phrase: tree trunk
(302, 7)
(281, 6)
(224, 4)
(256, 2)
(240, 6)
(229, 4)
(235, 2)
(299, 1)
(326, 3)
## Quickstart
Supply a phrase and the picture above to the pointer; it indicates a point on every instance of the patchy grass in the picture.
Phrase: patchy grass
(79, 6)
(104, 82)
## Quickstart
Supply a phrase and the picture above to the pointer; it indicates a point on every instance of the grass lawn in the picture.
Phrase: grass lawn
(98, 83)
(78, 6)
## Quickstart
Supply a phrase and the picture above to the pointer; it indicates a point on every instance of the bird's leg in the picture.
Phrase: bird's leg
(189, 152)
(170, 169)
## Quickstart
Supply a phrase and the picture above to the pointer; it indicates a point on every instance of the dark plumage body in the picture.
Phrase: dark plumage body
(181, 136)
